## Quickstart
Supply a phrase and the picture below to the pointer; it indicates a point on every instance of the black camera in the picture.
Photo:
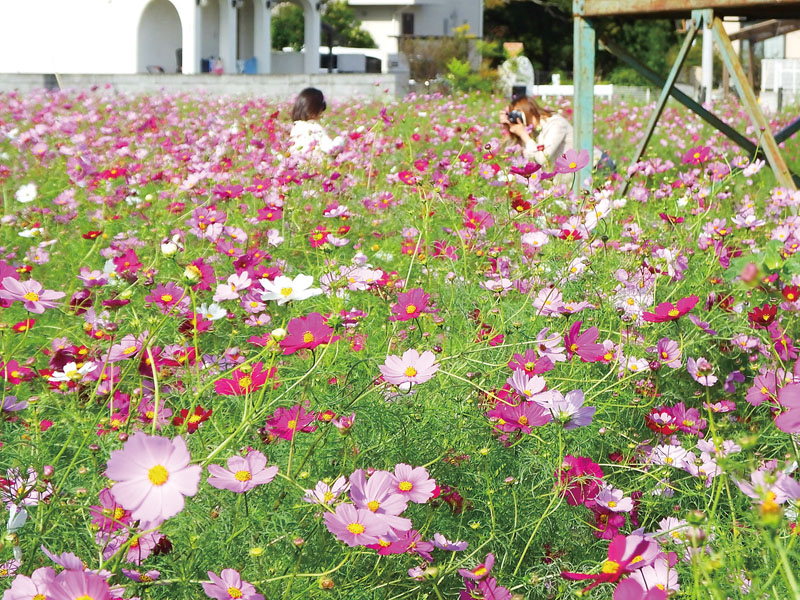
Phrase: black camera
(516, 116)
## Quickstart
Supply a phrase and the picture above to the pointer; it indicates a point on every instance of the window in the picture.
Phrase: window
(407, 24)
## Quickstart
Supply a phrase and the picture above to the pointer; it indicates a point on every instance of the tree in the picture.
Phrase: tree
(288, 26)
(545, 28)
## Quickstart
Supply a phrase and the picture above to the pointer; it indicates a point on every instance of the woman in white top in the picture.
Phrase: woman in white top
(553, 133)
(308, 137)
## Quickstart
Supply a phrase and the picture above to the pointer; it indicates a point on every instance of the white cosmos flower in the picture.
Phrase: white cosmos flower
(282, 288)
(27, 193)
(212, 312)
(71, 372)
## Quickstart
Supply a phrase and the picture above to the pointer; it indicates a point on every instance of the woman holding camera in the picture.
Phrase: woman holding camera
(553, 133)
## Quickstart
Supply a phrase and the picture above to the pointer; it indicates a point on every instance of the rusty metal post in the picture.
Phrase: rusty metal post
(748, 99)
(583, 56)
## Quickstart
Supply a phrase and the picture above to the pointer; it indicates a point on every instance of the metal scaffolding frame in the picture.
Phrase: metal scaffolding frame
(702, 14)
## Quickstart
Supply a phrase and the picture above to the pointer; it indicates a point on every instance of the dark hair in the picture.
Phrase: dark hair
(309, 105)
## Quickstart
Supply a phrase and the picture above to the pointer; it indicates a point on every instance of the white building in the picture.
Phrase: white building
(139, 36)
(388, 20)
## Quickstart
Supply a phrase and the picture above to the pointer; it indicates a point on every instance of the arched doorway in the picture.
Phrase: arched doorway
(160, 36)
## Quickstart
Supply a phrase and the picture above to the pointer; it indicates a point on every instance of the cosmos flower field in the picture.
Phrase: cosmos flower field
(417, 368)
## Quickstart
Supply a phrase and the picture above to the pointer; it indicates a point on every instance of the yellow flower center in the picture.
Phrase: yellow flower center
(636, 559)
(373, 505)
(158, 475)
(32, 297)
(328, 496)
(292, 424)
(119, 513)
(405, 486)
(243, 476)
(39, 597)
(355, 528)
(674, 312)
(129, 350)
(523, 420)
(610, 567)
(84, 597)
(480, 571)
(245, 382)
(572, 165)
(166, 298)
(234, 592)
(195, 419)
(411, 309)
(287, 291)
(145, 579)
(410, 372)
(669, 460)
(308, 337)
(612, 504)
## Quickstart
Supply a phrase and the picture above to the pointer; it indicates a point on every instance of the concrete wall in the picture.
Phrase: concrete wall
(158, 36)
(334, 86)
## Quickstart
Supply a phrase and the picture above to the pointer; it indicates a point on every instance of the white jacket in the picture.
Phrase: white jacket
(309, 138)
(555, 137)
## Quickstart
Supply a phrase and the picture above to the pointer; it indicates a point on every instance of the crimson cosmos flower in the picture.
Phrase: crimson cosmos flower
(762, 317)
(625, 554)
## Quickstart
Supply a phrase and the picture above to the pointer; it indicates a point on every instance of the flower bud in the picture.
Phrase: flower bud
(326, 583)
(48, 471)
(278, 334)
(169, 248)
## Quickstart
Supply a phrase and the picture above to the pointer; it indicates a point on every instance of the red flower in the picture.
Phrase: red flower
(666, 311)
(193, 420)
(24, 326)
(791, 292)
(670, 218)
(92, 235)
(762, 317)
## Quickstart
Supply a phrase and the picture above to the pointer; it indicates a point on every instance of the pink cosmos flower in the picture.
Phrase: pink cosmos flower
(789, 397)
(410, 305)
(243, 473)
(285, 422)
(412, 368)
(531, 363)
(765, 387)
(567, 410)
(613, 499)
(33, 296)
(153, 476)
(327, 494)
(479, 572)
(377, 495)
(701, 371)
(109, 516)
(355, 527)
(625, 554)
(413, 483)
(666, 311)
(36, 586)
(669, 353)
(583, 344)
(229, 585)
(631, 589)
(522, 416)
(307, 333)
(79, 585)
(571, 161)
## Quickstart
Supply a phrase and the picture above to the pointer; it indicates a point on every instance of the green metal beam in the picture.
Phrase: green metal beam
(748, 99)
(584, 44)
(656, 79)
(667, 89)
(788, 131)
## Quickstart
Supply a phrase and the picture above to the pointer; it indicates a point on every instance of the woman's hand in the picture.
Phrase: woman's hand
(504, 118)
(519, 130)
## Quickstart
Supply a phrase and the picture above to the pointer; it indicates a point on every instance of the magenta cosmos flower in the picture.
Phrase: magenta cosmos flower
(79, 585)
(666, 311)
(229, 585)
(789, 397)
(625, 554)
(355, 527)
(701, 371)
(410, 305)
(584, 344)
(411, 368)
(243, 473)
(285, 422)
(33, 296)
(307, 333)
(153, 476)
(582, 477)
(414, 484)
(244, 380)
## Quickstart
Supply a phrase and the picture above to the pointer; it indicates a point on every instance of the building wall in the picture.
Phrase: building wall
(159, 35)
(793, 44)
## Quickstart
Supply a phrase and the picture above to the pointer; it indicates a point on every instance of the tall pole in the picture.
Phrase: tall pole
(708, 62)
